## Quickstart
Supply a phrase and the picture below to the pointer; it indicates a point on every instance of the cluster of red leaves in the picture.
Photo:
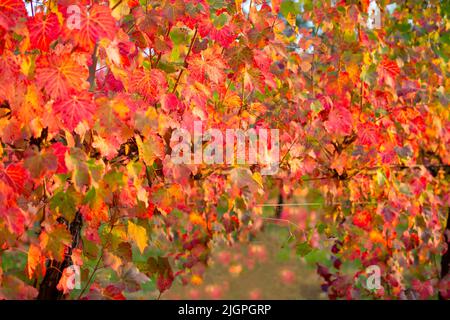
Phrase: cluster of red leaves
(87, 107)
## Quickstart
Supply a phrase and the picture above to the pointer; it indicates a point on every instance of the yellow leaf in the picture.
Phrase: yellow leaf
(376, 236)
(353, 71)
(138, 234)
(257, 177)
(196, 218)
(27, 65)
(238, 5)
(53, 5)
(103, 146)
(121, 8)
(366, 58)
(121, 108)
(291, 19)
(149, 150)
(232, 101)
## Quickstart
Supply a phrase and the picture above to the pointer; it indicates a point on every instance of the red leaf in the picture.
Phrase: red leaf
(362, 219)
(164, 282)
(339, 121)
(113, 292)
(44, 29)
(15, 176)
(388, 70)
(75, 109)
(94, 25)
(367, 134)
(170, 102)
(150, 84)
(60, 152)
(10, 11)
(390, 67)
(15, 219)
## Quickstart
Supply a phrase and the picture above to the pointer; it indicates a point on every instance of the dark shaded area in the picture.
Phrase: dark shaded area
(47, 288)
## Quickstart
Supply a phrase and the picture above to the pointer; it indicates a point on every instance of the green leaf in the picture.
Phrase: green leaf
(303, 249)
(65, 203)
(288, 7)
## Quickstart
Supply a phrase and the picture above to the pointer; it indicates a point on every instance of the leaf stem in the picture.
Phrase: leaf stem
(98, 262)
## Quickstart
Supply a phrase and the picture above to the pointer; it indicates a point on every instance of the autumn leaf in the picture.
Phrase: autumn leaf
(362, 219)
(368, 134)
(89, 105)
(14, 175)
(170, 103)
(59, 151)
(14, 219)
(68, 279)
(59, 75)
(208, 63)
(55, 242)
(17, 289)
(339, 121)
(243, 177)
(150, 150)
(132, 277)
(150, 84)
(44, 29)
(10, 11)
(112, 292)
(40, 163)
(166, 199)
(388, 70)
(112, 261)
(95, 24)
(65, 203)
(160, 267)
(35, 260)
(77, 107)
(121, 8)
(138, 235)
(76, 164)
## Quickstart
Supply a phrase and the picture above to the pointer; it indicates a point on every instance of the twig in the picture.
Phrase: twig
(169, 27)
(91, 276)
(92, 69)
(116, 5)
(185, 58)
(97, 264)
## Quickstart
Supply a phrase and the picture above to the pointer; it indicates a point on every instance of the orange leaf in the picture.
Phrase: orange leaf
(59, 75)
(35, 259)
(209, 63)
